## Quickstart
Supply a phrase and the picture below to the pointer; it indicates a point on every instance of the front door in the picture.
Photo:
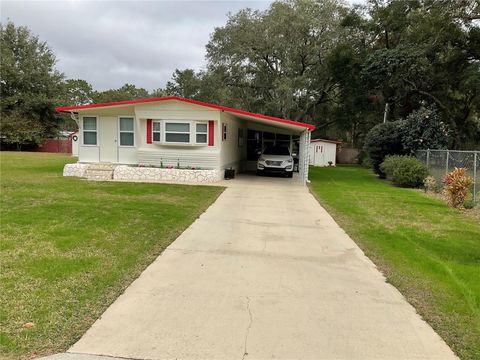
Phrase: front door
(108, 139)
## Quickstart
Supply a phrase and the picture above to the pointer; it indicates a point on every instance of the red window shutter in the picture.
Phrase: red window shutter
(211, 133)
(149, 131)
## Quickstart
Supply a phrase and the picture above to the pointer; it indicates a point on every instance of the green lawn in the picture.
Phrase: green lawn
(69, 247)
(430, 252)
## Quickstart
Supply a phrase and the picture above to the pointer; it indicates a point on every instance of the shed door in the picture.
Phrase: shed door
(319, 155)
(107, 133)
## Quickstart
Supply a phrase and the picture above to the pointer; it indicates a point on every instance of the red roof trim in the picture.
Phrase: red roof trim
(212, 106)
(327, 141)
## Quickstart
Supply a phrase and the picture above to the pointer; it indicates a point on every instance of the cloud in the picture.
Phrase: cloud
(110, 43)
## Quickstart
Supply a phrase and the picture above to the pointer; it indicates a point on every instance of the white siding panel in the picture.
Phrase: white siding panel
(232, 155)
(88, 153)
(185, 157)
(175, 110)
(127, 155)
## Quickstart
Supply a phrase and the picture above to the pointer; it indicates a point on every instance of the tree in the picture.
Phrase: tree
(275, 61)
(424, 129)
(18, 131)
(126, 92)
(382, 140)
(426, 51)
(185, 83)
(77, 92)
(30, 86)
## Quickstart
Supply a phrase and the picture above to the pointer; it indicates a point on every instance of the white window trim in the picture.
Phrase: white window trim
(195, 123)
(160, 122)
(96, 131)
(119, 131)
(164, 128)
(192, 133)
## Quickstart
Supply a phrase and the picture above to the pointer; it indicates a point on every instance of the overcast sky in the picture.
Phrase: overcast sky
(110, 43)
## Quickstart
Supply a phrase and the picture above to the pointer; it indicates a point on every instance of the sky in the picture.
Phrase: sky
(110, 43)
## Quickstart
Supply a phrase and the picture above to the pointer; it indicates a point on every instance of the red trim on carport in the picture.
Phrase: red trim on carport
(165, 98)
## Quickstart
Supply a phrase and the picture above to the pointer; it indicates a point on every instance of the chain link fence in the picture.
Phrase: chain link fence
(440, 162)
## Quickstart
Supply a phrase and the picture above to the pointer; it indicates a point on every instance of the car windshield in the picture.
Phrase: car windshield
(276, 150)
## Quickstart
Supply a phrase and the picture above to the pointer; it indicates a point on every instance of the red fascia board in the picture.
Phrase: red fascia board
(200, 103)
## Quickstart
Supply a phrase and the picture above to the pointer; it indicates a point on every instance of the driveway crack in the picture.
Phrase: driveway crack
(245, 352)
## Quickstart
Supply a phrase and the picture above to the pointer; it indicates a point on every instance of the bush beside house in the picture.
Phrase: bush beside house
(404, 170)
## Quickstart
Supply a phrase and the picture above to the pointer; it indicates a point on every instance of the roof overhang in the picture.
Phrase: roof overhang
(239, 113)
(326, 141)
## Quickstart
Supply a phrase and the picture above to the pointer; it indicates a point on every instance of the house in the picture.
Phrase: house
(323, 152)
(178, 139)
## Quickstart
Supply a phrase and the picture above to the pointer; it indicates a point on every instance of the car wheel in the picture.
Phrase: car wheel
(290, 174)
(259, 172)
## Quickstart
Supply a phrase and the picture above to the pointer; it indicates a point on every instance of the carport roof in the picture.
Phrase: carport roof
(242, 113)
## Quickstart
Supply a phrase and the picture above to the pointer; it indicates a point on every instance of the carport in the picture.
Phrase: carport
(261, 131)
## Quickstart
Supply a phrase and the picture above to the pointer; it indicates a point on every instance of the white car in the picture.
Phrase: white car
(275, 159)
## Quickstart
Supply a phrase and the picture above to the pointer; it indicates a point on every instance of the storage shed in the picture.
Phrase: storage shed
(323, 152)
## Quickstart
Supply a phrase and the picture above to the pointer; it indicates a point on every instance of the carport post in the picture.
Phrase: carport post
(304, 155)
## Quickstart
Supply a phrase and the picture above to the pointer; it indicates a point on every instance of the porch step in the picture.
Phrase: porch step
(100, 171)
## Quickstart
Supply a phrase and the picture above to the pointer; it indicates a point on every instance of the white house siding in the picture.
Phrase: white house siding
(322, 152)
(232, 155)
(108, 149)
(201, 156)
(179, 156)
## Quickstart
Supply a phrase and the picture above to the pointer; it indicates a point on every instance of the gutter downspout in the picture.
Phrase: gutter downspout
(75, 118)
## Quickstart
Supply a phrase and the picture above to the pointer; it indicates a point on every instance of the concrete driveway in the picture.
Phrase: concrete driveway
(264, 273)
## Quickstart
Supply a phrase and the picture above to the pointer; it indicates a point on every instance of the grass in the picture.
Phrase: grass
(69, 247)
(430, 252)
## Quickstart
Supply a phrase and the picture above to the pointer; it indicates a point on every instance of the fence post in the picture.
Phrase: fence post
(475, 176)
(446, 163)
(428, 159)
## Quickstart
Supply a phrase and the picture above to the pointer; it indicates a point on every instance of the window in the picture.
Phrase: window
(156, 130)
(127, 135)
(201, 135)
(177, 132)
(224, 131)
(89, 130)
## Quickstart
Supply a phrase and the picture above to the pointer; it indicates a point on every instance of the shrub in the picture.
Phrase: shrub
(456, 185)
(430, 184)
(469, 204)
(404, 170)
(364, 160)
(382, 140)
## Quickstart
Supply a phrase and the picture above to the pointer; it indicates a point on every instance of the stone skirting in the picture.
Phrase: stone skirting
(126, 173)
(147, 174)
(75, 170)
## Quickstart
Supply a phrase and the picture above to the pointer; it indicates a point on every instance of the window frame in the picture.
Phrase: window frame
(164, 136)
(124, 131)
(192, 132)
(159, 122)
(224, 131)
(201, 132)
(95, 131)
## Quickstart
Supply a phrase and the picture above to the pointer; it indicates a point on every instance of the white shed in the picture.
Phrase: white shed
(323, 152)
